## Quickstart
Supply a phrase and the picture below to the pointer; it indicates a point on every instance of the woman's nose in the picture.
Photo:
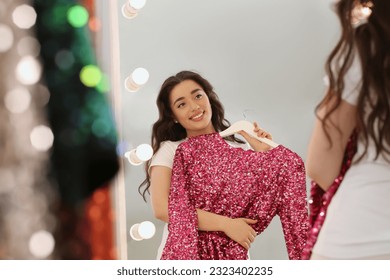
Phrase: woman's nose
(195, 106)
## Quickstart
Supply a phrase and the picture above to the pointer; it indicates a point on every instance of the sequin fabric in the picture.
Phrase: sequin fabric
(211, 175)
(320, 200)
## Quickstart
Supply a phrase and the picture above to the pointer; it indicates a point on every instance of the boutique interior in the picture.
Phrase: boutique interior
(78, 93)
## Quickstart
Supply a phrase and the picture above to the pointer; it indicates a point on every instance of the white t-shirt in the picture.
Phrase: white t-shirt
(164, 157)
(357, 224)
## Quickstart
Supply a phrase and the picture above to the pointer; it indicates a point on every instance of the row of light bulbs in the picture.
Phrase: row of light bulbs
(133, 83)
(143, 152)
(140, 75)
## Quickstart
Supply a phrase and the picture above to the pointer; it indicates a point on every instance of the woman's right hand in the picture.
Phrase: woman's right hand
(257, 145)
(239, 230)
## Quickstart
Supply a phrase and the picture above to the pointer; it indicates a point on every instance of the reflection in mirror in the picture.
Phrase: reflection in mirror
(265, 60)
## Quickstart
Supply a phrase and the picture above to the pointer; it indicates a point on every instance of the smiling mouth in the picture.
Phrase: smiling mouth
(198, 116)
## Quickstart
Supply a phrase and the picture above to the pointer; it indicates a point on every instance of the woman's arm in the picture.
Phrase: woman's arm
(160, 182)
(237, 229)
(323, 161)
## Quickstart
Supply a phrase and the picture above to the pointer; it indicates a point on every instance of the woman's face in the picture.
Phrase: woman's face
(191, 108)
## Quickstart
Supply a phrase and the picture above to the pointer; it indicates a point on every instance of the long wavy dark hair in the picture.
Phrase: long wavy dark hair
(371, 43)
(166, 129)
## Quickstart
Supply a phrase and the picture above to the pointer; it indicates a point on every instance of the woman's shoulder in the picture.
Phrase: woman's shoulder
(170, 145)
(167, 148)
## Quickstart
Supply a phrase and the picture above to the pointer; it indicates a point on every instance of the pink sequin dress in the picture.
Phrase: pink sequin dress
(211, 175)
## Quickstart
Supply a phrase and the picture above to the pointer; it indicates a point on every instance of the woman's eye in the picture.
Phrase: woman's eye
(198, 96)
(180, 105)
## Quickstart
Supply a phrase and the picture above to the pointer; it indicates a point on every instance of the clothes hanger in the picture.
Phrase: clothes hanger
(248, 128)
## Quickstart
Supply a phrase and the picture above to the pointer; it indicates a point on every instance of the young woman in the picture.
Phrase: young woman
(357, 225)
(188, 107)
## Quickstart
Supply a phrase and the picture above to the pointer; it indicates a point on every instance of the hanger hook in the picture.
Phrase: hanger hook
(245, 112)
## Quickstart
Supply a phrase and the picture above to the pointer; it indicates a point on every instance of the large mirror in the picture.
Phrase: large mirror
(264, 58)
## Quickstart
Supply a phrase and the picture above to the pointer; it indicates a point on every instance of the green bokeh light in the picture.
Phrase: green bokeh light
(90, 75)
(78, 16)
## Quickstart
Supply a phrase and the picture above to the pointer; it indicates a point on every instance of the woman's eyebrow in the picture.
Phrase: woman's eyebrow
(195, 90)
(177, 100)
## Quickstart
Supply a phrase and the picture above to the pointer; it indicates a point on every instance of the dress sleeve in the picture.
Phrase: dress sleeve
(293, 209)
(183, 220)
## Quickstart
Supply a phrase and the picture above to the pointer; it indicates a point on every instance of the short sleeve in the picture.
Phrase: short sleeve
(352, 83)
(165, 154)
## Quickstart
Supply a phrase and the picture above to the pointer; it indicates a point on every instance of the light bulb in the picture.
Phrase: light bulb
(144, 152)
(137, 4)
(134, 232)
(138, 78)
(131, 7)
(132, 157)
(144, 230)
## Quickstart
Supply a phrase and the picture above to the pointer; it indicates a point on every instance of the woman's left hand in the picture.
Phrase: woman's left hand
(257, 145)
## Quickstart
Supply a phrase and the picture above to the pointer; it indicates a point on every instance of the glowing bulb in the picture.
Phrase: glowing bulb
(18, 100)
(7, 38)
(28, 70)
(144, 230)
(139, 155)
(41, 244)
(144, 152)
(24, 16)
(42, 138)
(131, 7)
(137, 4)
(138, 78)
